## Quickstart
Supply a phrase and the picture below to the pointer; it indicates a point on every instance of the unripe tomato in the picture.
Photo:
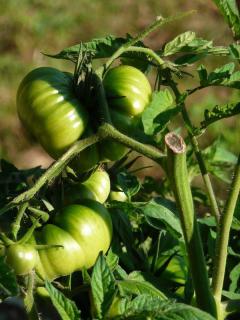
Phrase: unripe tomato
(49, 109)
(83, 231)
(118, 196)
(127, 89)
(128, 93)
(96, 187)
(21, 257)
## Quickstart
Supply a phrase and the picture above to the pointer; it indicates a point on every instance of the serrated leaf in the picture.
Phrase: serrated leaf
(145, 306)
(220, 74)
(230, 11)
(164, 211)
(112, 259)
(179, 42)
(220, 112)
(234, 50)
(66, 308)
(158, 113)
(99, 48)
(135, 285)
(8, 281)
(103, 286)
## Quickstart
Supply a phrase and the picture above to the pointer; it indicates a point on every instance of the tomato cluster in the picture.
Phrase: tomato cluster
(50, 110)
(76, 236)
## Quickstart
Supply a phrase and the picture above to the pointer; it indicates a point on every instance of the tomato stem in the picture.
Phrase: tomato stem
(53, 171)
(223, 235)
(29, 299)
(178, 177)
(108, 131)
(202, 166)
(159, 22)
(17, 223)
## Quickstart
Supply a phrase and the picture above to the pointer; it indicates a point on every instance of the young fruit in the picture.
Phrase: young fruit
(21, 257)
(49, 109)
(128, 93)
(83, 231)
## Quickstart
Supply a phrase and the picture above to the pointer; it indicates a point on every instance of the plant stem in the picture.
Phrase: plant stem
(223, 235)
(53, 171)
(29, 300)
(108, 131)
(148, 52)
(160, 21)
(178, 176)
(17, 223)
(202, 166)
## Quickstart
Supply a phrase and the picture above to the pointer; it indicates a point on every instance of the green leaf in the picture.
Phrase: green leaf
(178, 43)
(135, 284)
(234, 278)
(158, 113)
(230, 11)
(231, 295)
(234, 50)
(98, 48)
(145, 306)
(8, 281)
(220, 112)
(163, 211)
(112, 259)
(128, 183)
(66, 308)
(222, 76)
(103, 286)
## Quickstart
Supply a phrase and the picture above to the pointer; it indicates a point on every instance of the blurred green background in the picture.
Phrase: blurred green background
(29, 27)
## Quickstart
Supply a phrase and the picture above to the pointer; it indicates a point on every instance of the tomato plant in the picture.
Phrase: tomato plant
(156, 252)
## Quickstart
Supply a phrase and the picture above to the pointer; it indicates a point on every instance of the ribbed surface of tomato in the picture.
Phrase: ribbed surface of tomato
(50, 110)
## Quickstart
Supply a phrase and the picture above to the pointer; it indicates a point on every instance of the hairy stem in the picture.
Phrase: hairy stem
(160, 21)
(202, 166)
(17, 223)
(223, 235)
(53, 171)
(108, 131)
(29, 299)
(178, 176)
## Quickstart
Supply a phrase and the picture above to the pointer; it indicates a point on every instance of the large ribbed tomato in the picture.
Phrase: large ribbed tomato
(128, 92)
(49, 109)
(82, 230)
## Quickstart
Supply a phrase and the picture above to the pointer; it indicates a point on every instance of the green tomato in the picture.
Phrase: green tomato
(49, 109)
(118, 196)
(21, 257)
(127, 89)
(83, 231)
(128, 93)
(96, 187)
